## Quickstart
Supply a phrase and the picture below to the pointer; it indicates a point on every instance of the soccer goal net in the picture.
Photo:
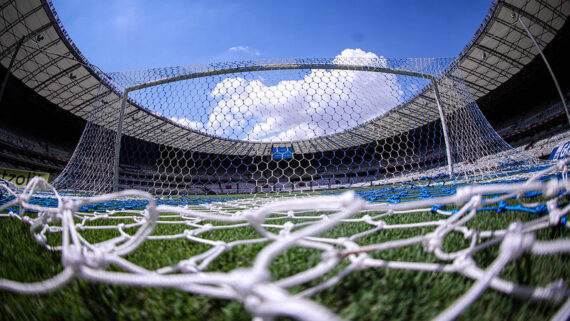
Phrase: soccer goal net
(285, 252)
(285, 126)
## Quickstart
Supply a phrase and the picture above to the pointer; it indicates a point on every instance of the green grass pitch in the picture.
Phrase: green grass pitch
(370, 294)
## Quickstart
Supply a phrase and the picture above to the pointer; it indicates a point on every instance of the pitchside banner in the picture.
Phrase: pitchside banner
(20, 178)
(560, 151)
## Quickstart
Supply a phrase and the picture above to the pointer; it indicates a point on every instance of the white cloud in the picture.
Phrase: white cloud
(126, 16)
(239, 48)
(245, 50)
(196, 125)
(321, 103)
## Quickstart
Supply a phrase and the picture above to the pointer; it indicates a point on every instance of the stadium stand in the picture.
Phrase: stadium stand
(532, 121)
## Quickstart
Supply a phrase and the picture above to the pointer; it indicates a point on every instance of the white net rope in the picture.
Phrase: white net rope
(283, 225)
(284, 126)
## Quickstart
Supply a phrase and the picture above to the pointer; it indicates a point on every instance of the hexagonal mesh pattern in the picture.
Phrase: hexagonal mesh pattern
(286, 126)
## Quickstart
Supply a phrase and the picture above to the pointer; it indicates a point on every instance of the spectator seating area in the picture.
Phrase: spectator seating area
(542, 122)
(24, 153)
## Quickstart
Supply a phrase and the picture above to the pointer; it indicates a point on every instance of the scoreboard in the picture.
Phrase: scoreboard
(282, 152)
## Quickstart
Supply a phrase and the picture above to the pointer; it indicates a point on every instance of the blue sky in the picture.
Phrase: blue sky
(138, 34)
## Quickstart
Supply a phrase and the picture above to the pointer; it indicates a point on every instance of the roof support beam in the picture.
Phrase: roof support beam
(58, 75)
(529, 16)
(21, 19)
(499, 55)
(11, 48)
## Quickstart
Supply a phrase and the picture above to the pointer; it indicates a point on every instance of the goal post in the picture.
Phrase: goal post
(443, 128)
(118, 141)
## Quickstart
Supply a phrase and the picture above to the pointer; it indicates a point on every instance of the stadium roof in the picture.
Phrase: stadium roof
(48, 62)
